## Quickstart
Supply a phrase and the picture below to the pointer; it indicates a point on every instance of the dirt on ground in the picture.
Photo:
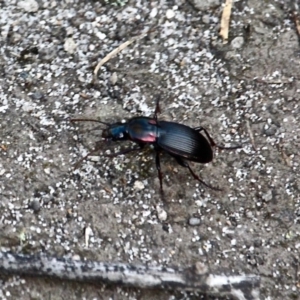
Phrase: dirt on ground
(244, 92)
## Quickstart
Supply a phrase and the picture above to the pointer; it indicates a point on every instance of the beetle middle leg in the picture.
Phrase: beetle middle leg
(185, 164)
(212, 142)
(157, 108)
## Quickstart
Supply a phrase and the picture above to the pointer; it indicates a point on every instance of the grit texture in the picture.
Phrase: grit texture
(245, 92)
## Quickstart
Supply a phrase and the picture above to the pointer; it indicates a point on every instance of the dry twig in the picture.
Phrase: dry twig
(225, 20)
(118, 50)
(195, 278)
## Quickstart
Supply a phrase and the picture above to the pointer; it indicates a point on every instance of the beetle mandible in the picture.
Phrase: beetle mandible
(180, 141)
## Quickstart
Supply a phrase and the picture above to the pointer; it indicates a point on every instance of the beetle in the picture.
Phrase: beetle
(182, 142)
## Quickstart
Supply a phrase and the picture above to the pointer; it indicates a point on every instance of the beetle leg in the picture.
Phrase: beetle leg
(84, 158)
(185, 164)
(125, 151)
(157, 161)
(157, 108)
(212, 142)
(106, 155)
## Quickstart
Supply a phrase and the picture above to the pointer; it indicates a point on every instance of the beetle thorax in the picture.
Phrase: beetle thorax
(142, 130)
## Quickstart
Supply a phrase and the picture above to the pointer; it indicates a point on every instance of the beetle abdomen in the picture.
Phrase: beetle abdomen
(184, 141)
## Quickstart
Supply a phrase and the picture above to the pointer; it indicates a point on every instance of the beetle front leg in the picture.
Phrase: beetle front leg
(185, 164)
(157, 161)
(84, 158)
(125, 151)
(212, 142)
(106, 155)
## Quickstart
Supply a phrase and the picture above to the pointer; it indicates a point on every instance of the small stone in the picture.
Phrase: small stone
(35, 205)
(200, 268)
(69, 31)
(37, 95)
(257, 243)
(194, 221)
(153, 13)
(268, 196)
(270, 130)
(29, 5)
(273, 109)
(205, 5)
(28, 107)
(138, 185)
(70, 46)
(237, 42)
(76, 257)
(87, 233)
(167, 228)
(113, 78)
(161, 214)
(206, 19)
(101, 36)
(170, 14)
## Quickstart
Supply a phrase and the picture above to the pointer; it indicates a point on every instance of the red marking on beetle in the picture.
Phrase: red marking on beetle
(149, 138)
(153, 122)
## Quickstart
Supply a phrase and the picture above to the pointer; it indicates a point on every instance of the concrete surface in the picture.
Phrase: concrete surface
(244, 92)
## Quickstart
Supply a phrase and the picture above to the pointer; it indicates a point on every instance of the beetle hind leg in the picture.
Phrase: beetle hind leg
(185, 164)
(212, 142)
(157, 161)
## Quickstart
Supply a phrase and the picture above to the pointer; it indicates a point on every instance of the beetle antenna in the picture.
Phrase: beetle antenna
(89, 120)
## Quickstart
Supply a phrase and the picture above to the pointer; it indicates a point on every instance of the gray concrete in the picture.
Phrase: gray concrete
(246, 94)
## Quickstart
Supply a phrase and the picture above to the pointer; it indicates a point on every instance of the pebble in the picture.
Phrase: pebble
(161, 214)
(153, 13)
(205, 5)
(268, 196)
(237, 42)
(87, 233)
(270, 130)
(28, 107)
(194, 221)
(170, 14)
(70, 46)
(206, 19)
(138, 185)
(37, 95)
(113, 78)
(2, 171)
(29, 5)
(35, 205)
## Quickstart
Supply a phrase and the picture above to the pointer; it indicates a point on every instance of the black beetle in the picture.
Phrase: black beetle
(180, 141)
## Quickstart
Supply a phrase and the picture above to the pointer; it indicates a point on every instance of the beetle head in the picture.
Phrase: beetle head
(115, 132)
